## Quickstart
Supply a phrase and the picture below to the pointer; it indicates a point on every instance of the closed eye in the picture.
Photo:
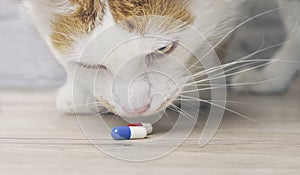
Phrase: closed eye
(167, 49)
(91, 66)
(159, 53)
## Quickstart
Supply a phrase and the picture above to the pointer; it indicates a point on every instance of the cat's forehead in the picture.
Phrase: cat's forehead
(137, 15)
(140, 16)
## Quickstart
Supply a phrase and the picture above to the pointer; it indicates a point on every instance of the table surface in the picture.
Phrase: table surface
(36, 139)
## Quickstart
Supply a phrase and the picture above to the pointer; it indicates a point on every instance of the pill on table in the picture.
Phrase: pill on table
(148, 126)
(127, 133)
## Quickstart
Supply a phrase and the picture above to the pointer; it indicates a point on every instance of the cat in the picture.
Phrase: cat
(146, 74)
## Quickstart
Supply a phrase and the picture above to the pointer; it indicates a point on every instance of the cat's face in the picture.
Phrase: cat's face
(141, 75)
(134, 55)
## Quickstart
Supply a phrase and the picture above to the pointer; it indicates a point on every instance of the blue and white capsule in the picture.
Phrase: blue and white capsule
(128, 133)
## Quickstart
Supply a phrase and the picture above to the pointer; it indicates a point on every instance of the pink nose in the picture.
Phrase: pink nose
(142, 109)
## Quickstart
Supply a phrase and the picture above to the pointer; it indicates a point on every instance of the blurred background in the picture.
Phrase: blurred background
(25, 59)
(27, 62)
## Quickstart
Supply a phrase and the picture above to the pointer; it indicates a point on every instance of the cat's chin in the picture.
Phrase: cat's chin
(135, 116)
(149, 118)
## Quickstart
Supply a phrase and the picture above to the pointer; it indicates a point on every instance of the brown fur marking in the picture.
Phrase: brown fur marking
(87, 15)
(126, 12)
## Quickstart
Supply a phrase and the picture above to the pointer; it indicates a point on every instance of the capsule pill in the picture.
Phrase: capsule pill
(148, 126)
(128, 132)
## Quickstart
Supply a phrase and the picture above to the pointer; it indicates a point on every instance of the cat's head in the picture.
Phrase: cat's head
(136, 55)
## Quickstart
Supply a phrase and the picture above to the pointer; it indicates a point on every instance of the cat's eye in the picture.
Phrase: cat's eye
(167, 49)
(159, 53)
(91, 66)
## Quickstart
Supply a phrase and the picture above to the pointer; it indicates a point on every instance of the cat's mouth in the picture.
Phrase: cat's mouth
(169, 102)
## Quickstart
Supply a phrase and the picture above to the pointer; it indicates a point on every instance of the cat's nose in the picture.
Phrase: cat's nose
(142, 109)
(137, 110)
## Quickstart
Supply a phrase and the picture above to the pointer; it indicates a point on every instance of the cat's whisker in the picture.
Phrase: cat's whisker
(202, 71)
(261, 49)
(219, 68)
(169, 118)
(244, 58)
(193, 99)
(243, 64)
(230, 110)
(228, 85)
(227, 75)
(235, 84)
(234, 29)
(185, 114)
